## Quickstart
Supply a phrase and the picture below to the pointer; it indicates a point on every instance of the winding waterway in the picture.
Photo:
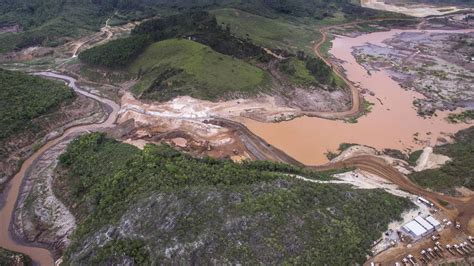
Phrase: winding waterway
(40, 255)
(392, 123)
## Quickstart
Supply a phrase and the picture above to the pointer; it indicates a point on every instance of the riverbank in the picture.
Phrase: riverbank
(391, 123)
(40, 255)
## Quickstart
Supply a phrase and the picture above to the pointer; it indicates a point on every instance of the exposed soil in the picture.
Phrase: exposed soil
(10, 28)
(443, 56)
(416, 10)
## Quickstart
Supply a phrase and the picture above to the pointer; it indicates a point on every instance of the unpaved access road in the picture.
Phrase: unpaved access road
(461, 207)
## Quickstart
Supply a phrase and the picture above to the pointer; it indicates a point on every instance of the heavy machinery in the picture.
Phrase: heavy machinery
(457, 248)
(438, 252)
(450, 249)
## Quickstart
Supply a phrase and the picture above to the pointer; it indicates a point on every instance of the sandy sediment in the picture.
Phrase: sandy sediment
(39, 216)
(430, 160)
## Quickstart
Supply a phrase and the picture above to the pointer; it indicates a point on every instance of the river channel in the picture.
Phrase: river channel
(392, 123)
(40, 255)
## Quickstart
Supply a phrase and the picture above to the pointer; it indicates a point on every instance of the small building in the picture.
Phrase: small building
(414, 229)
(433, 221)
(429, 228)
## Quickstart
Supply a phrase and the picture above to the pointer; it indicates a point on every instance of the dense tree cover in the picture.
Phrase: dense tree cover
(458, 172)
(116, 53)
(307, 70)
(241, 213)
(24, 97)
(319, 70)
(8, 257)
(201, 27)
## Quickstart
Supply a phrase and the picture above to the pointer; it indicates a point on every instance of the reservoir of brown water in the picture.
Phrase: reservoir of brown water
(392, 123)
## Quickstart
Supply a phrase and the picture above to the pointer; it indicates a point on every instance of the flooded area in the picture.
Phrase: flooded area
(416, 10)
(392, 123)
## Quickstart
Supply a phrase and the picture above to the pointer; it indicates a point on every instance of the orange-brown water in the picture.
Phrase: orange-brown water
(393, 122)
(40, 255)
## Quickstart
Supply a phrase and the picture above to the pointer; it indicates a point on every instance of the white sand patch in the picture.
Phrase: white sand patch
(430, 160)
(356, 150)
(139, 143)
(363, 180)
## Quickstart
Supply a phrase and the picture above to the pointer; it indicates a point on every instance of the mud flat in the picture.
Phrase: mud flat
(392, 122)
(443, 56)
(415, 10)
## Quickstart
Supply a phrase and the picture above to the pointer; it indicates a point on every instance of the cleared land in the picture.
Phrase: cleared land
(457, 173)
(182, 67)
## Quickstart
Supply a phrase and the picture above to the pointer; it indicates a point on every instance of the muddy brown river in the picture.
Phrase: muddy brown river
(42, 256)
(393, 122)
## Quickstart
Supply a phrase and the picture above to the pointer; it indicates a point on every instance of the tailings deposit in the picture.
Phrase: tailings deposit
(392, 123)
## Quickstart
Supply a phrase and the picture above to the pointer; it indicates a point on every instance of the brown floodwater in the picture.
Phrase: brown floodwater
(392, 123)
(42, 256)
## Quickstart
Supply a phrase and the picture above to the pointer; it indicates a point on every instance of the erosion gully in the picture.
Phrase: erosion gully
(304, 139)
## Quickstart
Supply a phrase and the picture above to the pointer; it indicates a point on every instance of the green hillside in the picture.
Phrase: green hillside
(53, 22)
(171, 208)
(182, 67)
(24, 97)
(272, 32)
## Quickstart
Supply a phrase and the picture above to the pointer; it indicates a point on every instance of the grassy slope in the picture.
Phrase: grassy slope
(200, 72)
(173, 200)
(273, 32)
(458, 172)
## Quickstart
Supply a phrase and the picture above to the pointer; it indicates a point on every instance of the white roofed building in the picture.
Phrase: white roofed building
(414, 229)
(433, 221)
(429, 228)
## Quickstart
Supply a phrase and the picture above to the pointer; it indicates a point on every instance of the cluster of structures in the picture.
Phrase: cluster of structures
(420, 227)
(438, 252)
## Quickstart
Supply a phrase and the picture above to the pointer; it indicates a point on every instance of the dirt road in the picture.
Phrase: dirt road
(356, 97)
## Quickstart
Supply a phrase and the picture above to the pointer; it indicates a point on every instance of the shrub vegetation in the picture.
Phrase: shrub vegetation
(455, 173)
(248, 213)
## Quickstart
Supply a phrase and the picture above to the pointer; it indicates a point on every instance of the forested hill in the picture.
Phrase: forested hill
(52, 22)
(159, 206)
